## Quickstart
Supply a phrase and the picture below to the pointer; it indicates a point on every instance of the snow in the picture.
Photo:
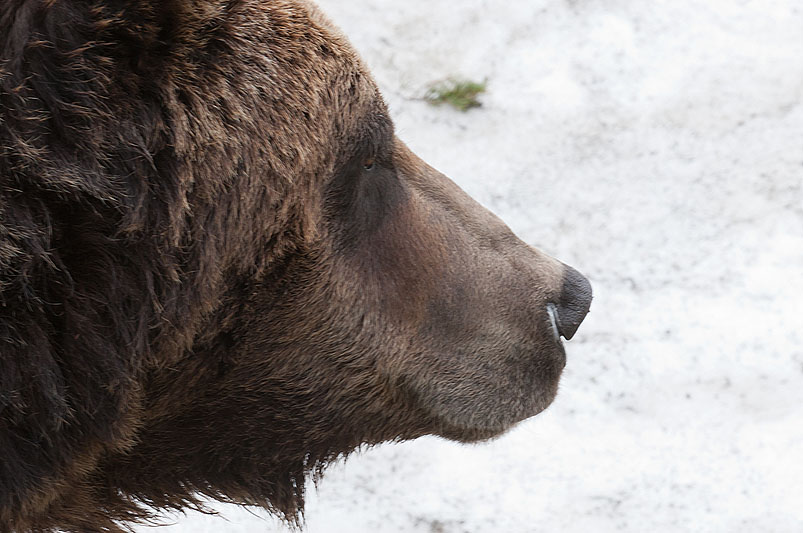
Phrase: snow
(658, 148)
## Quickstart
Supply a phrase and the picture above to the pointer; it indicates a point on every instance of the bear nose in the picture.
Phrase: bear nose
(574, 303)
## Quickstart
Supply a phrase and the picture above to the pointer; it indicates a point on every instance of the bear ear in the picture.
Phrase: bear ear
(67, 387)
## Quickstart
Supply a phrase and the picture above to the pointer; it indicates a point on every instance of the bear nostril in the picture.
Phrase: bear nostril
(575, 301)
(552, 312)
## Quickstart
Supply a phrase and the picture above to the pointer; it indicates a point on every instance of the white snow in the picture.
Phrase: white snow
(658, 148)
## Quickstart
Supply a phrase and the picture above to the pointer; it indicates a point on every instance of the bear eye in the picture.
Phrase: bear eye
(368, 164)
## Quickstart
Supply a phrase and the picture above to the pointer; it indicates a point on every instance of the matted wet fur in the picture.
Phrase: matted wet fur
(220, 270)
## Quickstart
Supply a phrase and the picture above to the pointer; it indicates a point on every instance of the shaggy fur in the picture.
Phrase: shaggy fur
(219, 270)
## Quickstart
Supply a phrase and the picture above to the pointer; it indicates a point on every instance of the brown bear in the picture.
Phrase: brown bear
(220, 269)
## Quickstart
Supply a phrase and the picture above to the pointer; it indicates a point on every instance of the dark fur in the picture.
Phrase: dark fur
(200, 292)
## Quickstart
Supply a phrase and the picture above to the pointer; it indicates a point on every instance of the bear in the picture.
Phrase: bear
(220, 269)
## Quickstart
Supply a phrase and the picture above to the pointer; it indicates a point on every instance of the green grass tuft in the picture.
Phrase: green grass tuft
(460, 94)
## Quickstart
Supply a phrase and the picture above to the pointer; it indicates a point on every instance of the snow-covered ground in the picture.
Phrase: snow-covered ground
(657, 147)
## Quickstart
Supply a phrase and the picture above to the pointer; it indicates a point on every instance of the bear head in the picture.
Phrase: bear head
(220, 269)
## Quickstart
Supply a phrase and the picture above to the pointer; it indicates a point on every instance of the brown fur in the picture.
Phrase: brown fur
(203, 290)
